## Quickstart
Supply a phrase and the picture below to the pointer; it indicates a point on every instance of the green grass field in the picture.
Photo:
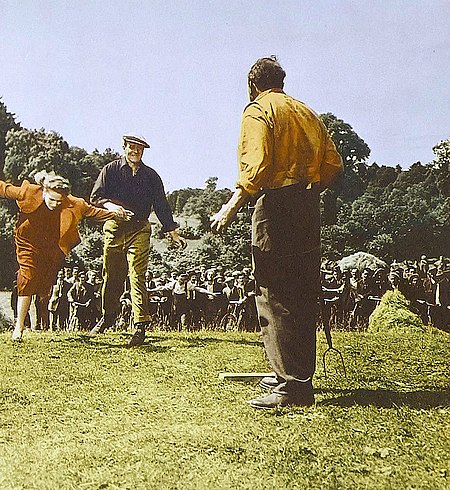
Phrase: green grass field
(92, 414)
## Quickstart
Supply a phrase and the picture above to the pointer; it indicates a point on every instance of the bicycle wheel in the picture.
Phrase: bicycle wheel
(229, 322)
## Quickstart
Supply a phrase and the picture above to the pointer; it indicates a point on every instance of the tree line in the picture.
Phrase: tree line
(391, 212)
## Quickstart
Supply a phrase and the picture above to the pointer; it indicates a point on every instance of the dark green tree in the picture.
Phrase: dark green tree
(354, 152)
(178, 199)
(402, 214)
(7, 122)
(82, 168)
(88, 253)
(31, 151)
(204, 204)
(352, 148)
(442, 163)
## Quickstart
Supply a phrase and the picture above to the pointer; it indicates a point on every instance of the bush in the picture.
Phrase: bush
(5, 323)
(393, 313)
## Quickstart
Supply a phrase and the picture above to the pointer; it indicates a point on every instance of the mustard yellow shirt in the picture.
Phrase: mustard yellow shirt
(283, 142)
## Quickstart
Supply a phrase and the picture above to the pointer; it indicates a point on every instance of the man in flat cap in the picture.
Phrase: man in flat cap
(133, 189)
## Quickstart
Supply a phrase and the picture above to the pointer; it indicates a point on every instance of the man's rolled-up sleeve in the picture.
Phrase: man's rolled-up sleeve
(255, 154)
(331, 166)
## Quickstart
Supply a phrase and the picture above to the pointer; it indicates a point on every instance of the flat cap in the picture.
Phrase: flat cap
(136, 139)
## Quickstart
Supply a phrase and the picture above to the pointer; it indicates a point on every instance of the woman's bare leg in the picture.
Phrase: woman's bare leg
(23, 305)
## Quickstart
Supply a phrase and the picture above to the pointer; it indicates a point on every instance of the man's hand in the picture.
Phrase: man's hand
(177, 239)
(119, 211)
(226, 215)
(221, 220)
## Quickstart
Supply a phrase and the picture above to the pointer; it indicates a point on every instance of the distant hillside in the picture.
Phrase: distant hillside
(161, 245)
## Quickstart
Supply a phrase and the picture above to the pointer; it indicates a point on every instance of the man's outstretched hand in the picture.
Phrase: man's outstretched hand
(177, 239)
(221, 220)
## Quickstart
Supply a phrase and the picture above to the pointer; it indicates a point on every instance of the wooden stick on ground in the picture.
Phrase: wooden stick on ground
(243, 376)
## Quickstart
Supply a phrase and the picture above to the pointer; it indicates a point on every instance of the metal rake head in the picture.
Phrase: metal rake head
(325, 364)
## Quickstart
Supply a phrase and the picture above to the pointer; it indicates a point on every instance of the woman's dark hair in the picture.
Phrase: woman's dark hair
(267, 73)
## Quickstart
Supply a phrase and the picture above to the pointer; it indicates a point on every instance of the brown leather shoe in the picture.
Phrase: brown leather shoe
(138, 336)
(269, 382)
(275, 400)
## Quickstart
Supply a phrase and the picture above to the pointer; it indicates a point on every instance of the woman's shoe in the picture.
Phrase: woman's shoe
(17, 334)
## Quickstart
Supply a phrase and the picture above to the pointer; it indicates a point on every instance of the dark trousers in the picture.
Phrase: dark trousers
(440, 317)
(286, 257)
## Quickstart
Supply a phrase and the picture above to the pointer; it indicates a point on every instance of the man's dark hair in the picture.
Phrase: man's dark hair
(267, 73)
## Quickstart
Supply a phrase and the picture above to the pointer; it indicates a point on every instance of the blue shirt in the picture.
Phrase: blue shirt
(140, 193)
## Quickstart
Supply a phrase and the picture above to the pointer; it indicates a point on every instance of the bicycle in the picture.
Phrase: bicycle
(234, 317)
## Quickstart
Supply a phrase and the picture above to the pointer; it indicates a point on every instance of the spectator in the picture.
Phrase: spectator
(58, 305)
(81, 297)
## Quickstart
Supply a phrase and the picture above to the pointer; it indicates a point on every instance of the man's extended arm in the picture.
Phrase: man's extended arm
(99, 198)
(229, 210)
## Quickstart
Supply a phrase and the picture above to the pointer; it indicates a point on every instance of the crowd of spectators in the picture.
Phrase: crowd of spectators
(220, 299)
(201, 298)
(350, 296)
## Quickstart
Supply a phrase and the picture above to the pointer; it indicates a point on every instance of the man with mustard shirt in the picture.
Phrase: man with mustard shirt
(286, 157)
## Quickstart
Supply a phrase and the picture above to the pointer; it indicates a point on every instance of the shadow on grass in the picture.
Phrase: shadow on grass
(189, 341)
(199, 342)
(151, 339)
(106, 343)
(420, 399)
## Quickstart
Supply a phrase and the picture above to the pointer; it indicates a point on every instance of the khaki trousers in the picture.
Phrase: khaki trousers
(125, 255)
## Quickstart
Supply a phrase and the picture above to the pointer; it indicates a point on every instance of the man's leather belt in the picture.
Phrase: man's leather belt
(302, 186)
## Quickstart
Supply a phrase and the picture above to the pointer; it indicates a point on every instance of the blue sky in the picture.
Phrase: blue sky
(176, 72)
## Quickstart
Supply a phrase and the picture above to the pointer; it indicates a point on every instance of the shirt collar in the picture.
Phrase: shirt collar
(123, 163)
(268, 91)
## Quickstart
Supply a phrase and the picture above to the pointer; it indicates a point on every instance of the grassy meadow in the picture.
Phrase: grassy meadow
(81, 413)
